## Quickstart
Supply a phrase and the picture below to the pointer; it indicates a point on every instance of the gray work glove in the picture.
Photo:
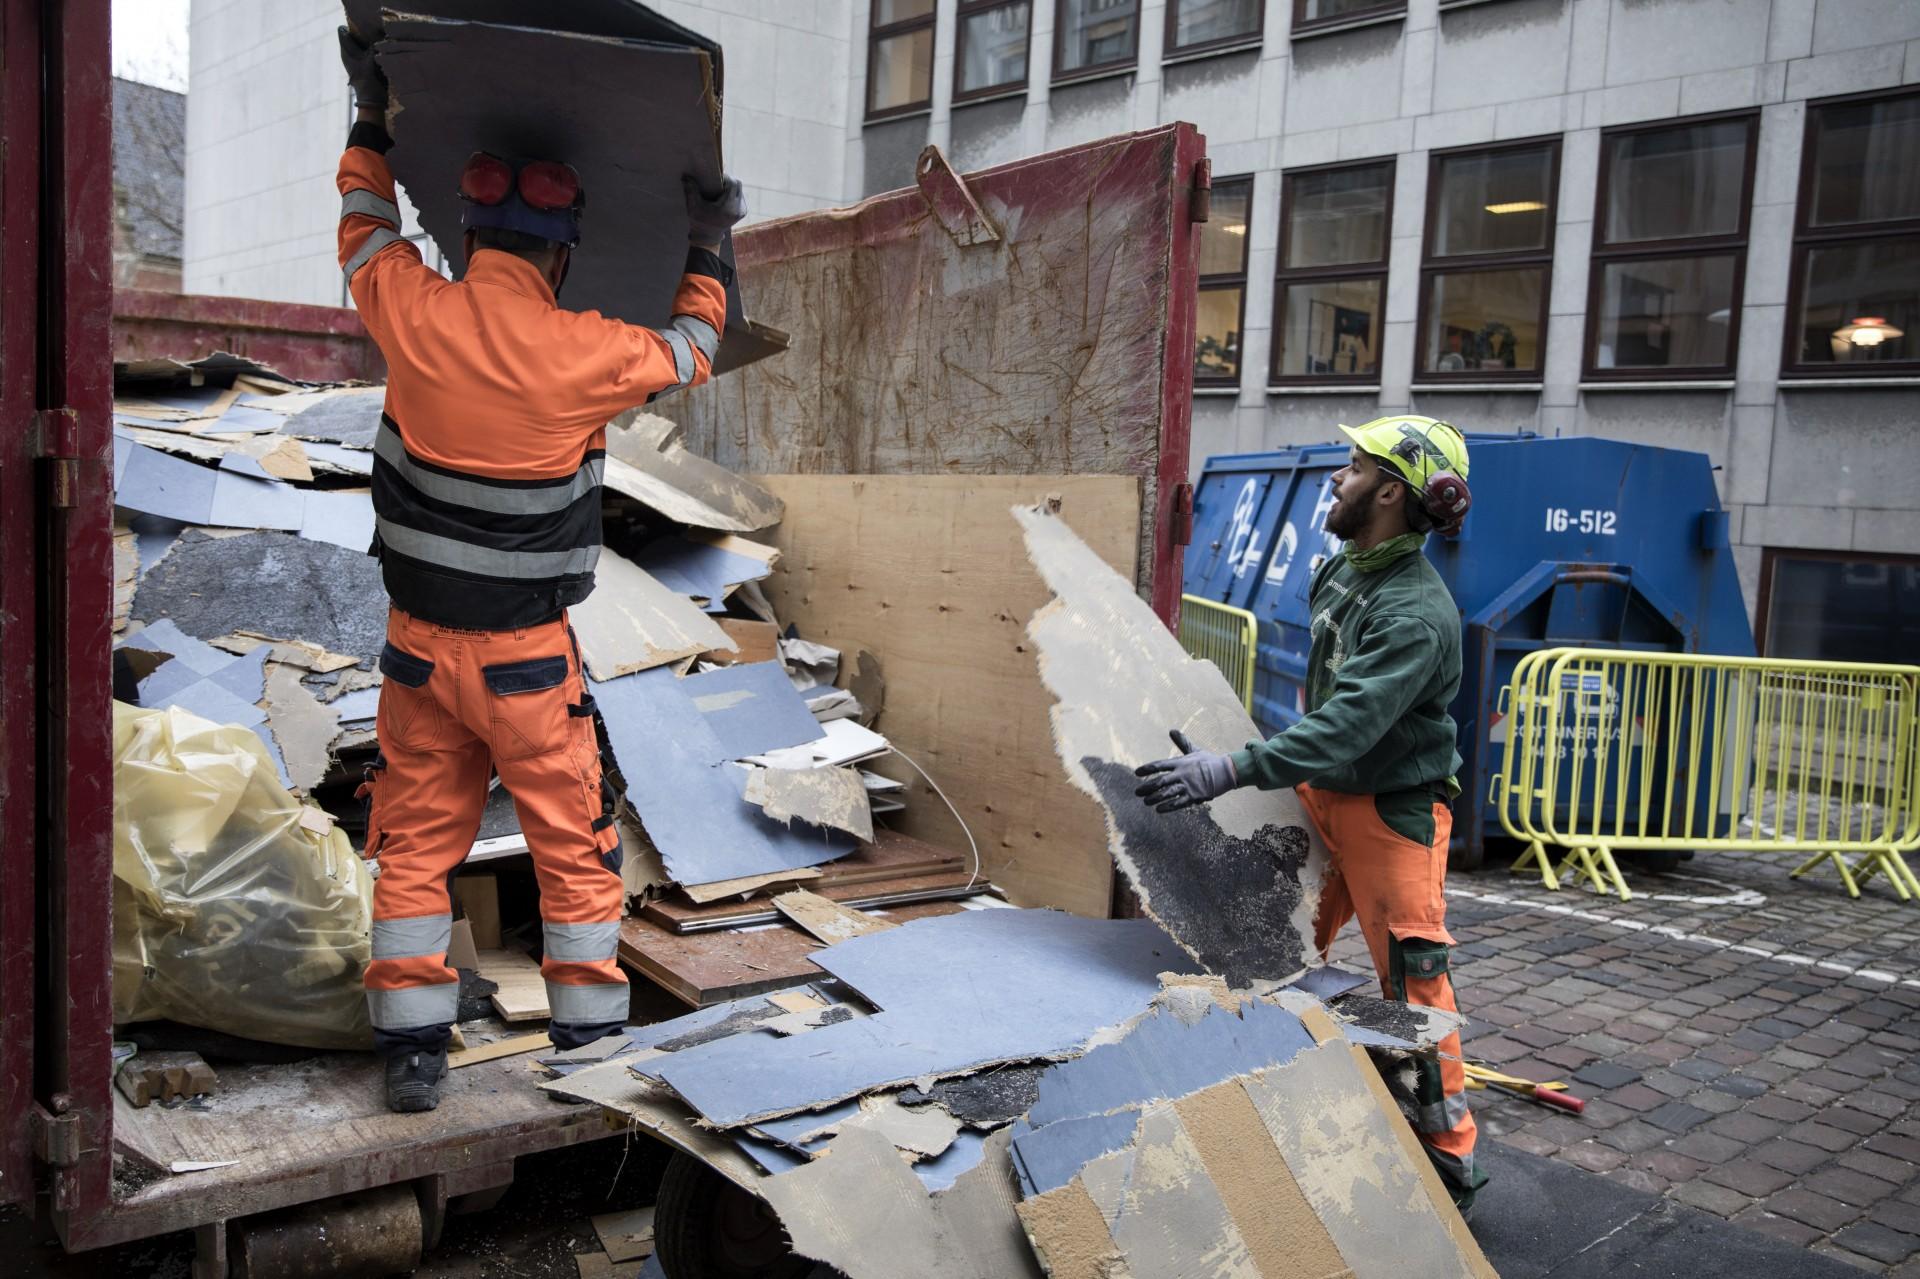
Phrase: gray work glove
(710, 217)
(1189, 778)
(363, 72)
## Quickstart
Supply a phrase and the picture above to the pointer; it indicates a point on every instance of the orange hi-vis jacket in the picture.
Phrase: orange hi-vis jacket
(488, 462)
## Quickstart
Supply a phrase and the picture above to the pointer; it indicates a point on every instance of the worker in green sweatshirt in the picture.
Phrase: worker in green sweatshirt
(1373, 759)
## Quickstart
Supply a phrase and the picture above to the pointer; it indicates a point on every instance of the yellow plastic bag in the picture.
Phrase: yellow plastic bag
(235, 907)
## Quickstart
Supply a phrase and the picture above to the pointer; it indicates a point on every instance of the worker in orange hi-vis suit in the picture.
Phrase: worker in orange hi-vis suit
(486, 494)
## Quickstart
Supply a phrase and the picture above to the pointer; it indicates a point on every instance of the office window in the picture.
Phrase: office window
(1330, 290)
(1853, 305)
(1839, 606)
(1090, 36)
(1202, 24)
(1308, 14)
(1223, 284)
(992, 56)
(900, 57)
(1489, 256)
(1670, 249)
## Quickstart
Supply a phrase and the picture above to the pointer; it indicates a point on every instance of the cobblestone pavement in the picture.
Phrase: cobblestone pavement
(1746, 1041)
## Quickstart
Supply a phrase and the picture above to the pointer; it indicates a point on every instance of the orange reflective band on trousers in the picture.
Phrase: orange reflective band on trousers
(1396, 887)
(456, 706)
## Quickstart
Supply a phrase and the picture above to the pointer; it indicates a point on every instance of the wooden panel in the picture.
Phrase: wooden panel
(706, 968)
(940, 886)
(930, 573)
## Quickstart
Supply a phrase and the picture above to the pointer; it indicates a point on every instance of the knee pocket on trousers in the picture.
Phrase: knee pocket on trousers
(527, 705)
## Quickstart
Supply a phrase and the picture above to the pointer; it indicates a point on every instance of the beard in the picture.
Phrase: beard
(1348, 517)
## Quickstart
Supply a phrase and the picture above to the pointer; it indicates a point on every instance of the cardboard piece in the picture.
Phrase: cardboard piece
(303, 727)
(1059, 980)
(831, 797)
(753, 642)
(625, 1236)
(1236, 882)
(632, 622)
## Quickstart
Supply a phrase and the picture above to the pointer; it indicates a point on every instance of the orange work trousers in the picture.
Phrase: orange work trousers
(456, 706)
(1395, 886)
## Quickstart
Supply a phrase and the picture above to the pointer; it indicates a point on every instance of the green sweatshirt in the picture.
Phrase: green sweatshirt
(1384, 664)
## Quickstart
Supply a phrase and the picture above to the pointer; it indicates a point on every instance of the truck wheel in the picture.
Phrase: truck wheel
(705, 1227)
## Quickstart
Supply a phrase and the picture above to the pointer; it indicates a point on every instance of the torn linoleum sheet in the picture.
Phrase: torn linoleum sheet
(751, 708)
(271, 582)
(830, 797)
(704, 571)
(1058, 981)
(350, 418)
(153, 483)
(688, 797)
(632, 622)
(645, 463)
(1388, 1023)
(1236, 882)
(204, 681)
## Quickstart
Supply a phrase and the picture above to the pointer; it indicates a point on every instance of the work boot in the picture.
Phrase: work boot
(413, 1079)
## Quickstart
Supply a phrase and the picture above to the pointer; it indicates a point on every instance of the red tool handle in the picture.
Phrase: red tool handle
(1563, 1101)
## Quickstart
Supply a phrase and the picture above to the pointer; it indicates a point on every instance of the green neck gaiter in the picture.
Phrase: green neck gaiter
(1375, 558)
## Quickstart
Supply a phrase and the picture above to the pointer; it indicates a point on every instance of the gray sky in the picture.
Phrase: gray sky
(150, 41)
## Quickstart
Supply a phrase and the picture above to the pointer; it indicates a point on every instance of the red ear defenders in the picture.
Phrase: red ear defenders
(547, 185)
(1443, 504)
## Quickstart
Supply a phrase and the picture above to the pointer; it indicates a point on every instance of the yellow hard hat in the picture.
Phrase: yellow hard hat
(1419, 448)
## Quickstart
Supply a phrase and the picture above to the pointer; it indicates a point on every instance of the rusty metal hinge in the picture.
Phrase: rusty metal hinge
(950, 202)
(1183, 514)
(1200, 207)
(56, 441)
(56, 1138)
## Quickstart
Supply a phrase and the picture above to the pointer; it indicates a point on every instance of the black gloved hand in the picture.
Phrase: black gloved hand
(710, 217)
(1183, 780)
(363, 71)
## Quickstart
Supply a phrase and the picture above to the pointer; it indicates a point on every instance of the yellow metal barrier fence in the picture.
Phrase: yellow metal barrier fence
(1225, 636)
(1609, 750)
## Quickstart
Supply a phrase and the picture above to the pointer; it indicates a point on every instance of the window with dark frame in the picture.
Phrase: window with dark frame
(899, 58)
(1842, 606)
(1196, 25)
(1488, 262)
(991, 50)
(1308, 14)
(1853, 301)
(1223, 284)
(1329, 294)
(1091, 37)
(1670, 248)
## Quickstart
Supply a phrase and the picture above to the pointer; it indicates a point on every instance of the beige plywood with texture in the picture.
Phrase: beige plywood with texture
(930, 574)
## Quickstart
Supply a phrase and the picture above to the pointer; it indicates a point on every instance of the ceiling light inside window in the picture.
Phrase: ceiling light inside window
(1518, 206)
(1868, 330)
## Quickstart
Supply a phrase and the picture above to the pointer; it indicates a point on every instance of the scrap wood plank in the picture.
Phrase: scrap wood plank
(946, 885)
(478, 897)
(826, 919)
(719, 888)
(700, 969)
(523, 994)
(509, 1047)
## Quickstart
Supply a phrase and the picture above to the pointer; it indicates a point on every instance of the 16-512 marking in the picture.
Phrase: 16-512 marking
(1560, 519)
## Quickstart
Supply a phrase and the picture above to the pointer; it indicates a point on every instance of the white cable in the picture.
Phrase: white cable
(975, 878)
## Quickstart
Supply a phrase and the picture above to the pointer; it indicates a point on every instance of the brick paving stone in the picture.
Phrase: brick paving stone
(1750, 1177)
(1563, 1130)
(1712, 1101)
(1639, 1179)
(1571, 1023)
(1672, 1085)
(1826, 1248)
(1858, 1122)
(1498, 1049)
(1778, 1227)
(1778, 1028)
(1801, 1090)
(1828, 1138)
(1528, 1142)
(1750, 1040)
(1707, 1147)
(1776, 1106)
(1836, 1082)
(1677, 1116)
(1742, 1086)
(1691, 1037)
(1790, 1156)
(1658, 1020)
(1535, 1036)
(1713, 1023)
(1671, 1164)
(1897, 1171)
(1794, 1059)
(1633, 1136)
(1745, 1126)
(1699, 1069)
(1632, 1032)
(1566, 1056)
(1850, 1186)
(1895, 1215)
(1816, 1045)
(1601, 1113)
(1729, 1054)
(1601, 1044)
(1873, 1240)
(1718, 1200)
(1636, 1097)
(1803, 1016)
(1593, 1156)
(1818, 1211)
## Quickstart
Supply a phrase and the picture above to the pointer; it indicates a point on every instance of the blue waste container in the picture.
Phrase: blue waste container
(1571, 541)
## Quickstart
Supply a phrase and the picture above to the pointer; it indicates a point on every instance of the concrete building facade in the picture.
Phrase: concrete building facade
(1686, 222)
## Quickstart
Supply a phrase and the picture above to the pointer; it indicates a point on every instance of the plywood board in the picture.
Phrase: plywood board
(720, 889)
(939, 886)
(478, 897)
(754, 642)
(633, 623)
(929, 573)
(513, 1046)
(523, 993)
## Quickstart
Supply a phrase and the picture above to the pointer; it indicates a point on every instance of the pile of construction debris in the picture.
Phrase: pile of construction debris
(246, 597)
(1003, 1091)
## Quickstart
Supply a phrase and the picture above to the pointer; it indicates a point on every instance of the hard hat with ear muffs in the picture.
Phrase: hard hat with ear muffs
(1431, 457)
